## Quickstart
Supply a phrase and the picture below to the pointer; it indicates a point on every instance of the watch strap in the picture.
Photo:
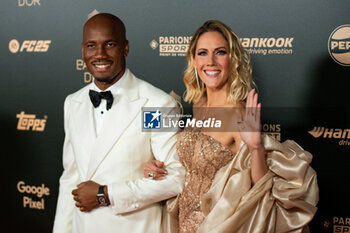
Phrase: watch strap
(101, 190)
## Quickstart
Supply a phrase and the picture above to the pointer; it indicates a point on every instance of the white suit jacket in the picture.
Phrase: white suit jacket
(117, 157)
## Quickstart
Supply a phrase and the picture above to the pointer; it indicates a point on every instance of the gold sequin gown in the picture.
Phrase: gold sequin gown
(202, 156)
(218, 196)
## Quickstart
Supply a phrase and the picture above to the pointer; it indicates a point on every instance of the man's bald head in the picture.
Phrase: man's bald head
(107, 19)
(104, 49)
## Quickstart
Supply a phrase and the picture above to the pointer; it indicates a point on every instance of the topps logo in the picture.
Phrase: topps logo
(28, 122)
(36, 46)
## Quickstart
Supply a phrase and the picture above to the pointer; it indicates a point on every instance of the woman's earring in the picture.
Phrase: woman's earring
(197, 78)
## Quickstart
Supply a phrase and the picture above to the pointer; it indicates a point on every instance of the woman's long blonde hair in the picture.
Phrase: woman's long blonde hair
(240, 77)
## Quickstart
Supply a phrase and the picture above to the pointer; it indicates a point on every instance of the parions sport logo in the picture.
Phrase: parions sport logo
(171, 46)
(339, 45)
(273, 130)
(339, 224)
(29, 46)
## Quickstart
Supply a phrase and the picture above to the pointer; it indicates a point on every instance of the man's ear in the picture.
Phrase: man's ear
(126, 48)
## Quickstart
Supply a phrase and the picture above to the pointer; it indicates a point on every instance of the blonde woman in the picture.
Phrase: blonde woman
(236, 180)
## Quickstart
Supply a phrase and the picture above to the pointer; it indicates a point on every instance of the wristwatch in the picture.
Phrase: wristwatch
(101, 197)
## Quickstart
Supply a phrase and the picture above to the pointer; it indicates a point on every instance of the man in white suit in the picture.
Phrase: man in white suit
(102, 188)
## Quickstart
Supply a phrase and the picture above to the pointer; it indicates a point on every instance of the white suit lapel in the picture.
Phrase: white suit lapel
(125, 108)
(83, 123)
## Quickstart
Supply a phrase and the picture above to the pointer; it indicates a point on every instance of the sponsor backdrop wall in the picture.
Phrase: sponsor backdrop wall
(300, 52)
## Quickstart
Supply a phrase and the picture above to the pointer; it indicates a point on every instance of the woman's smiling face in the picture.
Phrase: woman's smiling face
(212, 60)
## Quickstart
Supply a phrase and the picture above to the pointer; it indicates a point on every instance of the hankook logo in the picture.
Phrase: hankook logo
(30, 46)
(336, 133)
(339, 45)
(268, 45)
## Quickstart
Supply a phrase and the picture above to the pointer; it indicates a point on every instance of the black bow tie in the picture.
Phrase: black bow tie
(96, 97)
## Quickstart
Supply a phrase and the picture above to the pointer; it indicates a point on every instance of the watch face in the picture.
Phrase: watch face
(102, 200)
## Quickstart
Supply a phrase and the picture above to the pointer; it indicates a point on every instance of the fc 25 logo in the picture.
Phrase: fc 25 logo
(36, 46)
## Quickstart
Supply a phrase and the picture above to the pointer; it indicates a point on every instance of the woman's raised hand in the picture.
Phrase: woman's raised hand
(249, 121)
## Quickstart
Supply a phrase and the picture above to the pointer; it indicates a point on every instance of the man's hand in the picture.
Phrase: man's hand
(85, 196)
(154, 169)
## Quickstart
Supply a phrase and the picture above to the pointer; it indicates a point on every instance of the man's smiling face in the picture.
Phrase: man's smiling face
(104, 49)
